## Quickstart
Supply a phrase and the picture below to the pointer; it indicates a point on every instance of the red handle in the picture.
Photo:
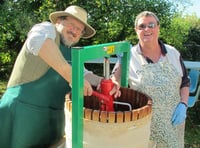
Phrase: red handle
(105, 98)
(107, 104)
(101, 96)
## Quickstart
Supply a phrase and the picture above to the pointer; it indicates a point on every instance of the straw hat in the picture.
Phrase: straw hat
(78, 13)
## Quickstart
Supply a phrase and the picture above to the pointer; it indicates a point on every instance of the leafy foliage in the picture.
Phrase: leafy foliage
(113, 21)
(192, 43)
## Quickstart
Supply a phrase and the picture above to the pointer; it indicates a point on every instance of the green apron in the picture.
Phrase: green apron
(32, 114)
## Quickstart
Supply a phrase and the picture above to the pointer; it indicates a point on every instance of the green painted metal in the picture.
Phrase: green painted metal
(79, 56)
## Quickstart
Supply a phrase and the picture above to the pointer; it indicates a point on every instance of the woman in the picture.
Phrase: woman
(157, 70)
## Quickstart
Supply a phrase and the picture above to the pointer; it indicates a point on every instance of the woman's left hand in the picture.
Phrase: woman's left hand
(116, 89)
(179, 114)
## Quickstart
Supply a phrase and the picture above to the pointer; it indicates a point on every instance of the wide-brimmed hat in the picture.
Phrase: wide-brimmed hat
(79, 14)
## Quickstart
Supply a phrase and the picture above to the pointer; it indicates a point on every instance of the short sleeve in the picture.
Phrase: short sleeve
(38, 34)
(86, 71)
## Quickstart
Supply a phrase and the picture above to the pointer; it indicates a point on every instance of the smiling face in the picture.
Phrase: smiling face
(70, 29)
(147, 29)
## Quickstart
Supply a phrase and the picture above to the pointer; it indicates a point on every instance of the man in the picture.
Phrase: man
(32, 108)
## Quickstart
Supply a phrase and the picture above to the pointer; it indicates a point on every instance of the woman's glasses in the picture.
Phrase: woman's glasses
(144, 26)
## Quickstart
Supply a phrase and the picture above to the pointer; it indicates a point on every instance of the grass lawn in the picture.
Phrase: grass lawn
(192, 130)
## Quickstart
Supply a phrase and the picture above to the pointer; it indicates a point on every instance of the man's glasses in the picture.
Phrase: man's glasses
(144, 26)
(73, 26)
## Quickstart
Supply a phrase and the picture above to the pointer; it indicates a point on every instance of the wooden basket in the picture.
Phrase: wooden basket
(140, 103)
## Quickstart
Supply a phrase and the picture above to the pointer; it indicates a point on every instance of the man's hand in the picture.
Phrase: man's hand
(87, 88)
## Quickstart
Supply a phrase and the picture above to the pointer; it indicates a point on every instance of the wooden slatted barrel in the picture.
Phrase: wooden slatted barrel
(120, 128)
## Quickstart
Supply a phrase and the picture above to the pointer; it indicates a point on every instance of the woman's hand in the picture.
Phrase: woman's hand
(116, 89)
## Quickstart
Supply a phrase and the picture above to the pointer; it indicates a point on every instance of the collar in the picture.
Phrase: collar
(162, 46)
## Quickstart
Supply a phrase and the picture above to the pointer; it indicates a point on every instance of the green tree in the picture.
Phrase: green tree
(113, 20)
(176, 32)
(192, 43)
(15, 19)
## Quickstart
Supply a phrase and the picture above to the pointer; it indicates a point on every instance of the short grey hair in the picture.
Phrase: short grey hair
(146, 13)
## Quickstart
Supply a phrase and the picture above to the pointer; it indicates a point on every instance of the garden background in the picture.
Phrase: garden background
(113, 21)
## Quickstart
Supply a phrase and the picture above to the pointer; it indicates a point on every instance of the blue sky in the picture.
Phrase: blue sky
(195, 8)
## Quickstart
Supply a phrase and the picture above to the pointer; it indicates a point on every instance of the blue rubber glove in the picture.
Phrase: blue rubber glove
(179, 114)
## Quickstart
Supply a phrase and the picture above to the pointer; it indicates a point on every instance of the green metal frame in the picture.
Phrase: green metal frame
(79, 56)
